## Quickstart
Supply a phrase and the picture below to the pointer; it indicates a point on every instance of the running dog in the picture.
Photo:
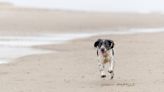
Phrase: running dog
(105, 54)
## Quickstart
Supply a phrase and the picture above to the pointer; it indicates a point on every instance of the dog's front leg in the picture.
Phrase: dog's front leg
(111, 67)
(101, 69)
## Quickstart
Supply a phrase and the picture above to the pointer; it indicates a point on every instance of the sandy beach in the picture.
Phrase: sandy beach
(72, 66)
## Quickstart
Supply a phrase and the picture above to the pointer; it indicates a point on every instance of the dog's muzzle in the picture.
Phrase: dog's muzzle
(102, 50)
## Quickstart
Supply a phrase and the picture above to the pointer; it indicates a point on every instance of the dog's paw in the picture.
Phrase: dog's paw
(111, 77)
(112, 74)
(103, 76)
(110, 71)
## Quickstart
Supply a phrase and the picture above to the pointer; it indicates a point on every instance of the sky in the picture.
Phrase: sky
(95, 5)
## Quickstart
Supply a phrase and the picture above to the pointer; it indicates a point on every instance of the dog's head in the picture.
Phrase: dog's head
(104, 45)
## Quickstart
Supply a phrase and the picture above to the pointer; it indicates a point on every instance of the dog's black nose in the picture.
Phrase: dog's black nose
(102, 50)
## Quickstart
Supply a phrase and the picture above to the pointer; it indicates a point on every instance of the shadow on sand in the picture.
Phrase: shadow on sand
(115, 82)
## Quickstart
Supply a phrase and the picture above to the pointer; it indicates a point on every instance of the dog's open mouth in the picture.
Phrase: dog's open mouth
(104, 53)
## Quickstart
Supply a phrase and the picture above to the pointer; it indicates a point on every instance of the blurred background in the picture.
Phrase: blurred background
(27, 23)
(84, 15)
(143, 6)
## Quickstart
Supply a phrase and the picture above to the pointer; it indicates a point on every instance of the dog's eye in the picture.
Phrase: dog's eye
(100, 44)
(107, 44)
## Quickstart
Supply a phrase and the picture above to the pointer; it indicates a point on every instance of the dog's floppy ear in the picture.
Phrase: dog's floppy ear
(111, 42)
(97, 42)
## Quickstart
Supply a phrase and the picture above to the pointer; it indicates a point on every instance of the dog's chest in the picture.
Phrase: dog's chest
(105, 58)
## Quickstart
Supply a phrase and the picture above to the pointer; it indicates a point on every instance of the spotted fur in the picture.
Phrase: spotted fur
(105, 54)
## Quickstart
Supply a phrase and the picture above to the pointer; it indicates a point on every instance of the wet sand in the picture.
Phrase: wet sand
(72, 67)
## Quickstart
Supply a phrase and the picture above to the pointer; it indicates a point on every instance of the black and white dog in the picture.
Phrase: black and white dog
(105, 55)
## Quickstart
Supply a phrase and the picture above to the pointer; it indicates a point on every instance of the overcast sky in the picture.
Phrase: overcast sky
(96, 5)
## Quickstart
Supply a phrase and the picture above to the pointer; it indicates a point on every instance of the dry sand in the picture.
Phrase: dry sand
(73, 68)
(139, 67)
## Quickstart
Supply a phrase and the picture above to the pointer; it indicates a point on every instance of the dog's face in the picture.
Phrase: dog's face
(104, 45)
